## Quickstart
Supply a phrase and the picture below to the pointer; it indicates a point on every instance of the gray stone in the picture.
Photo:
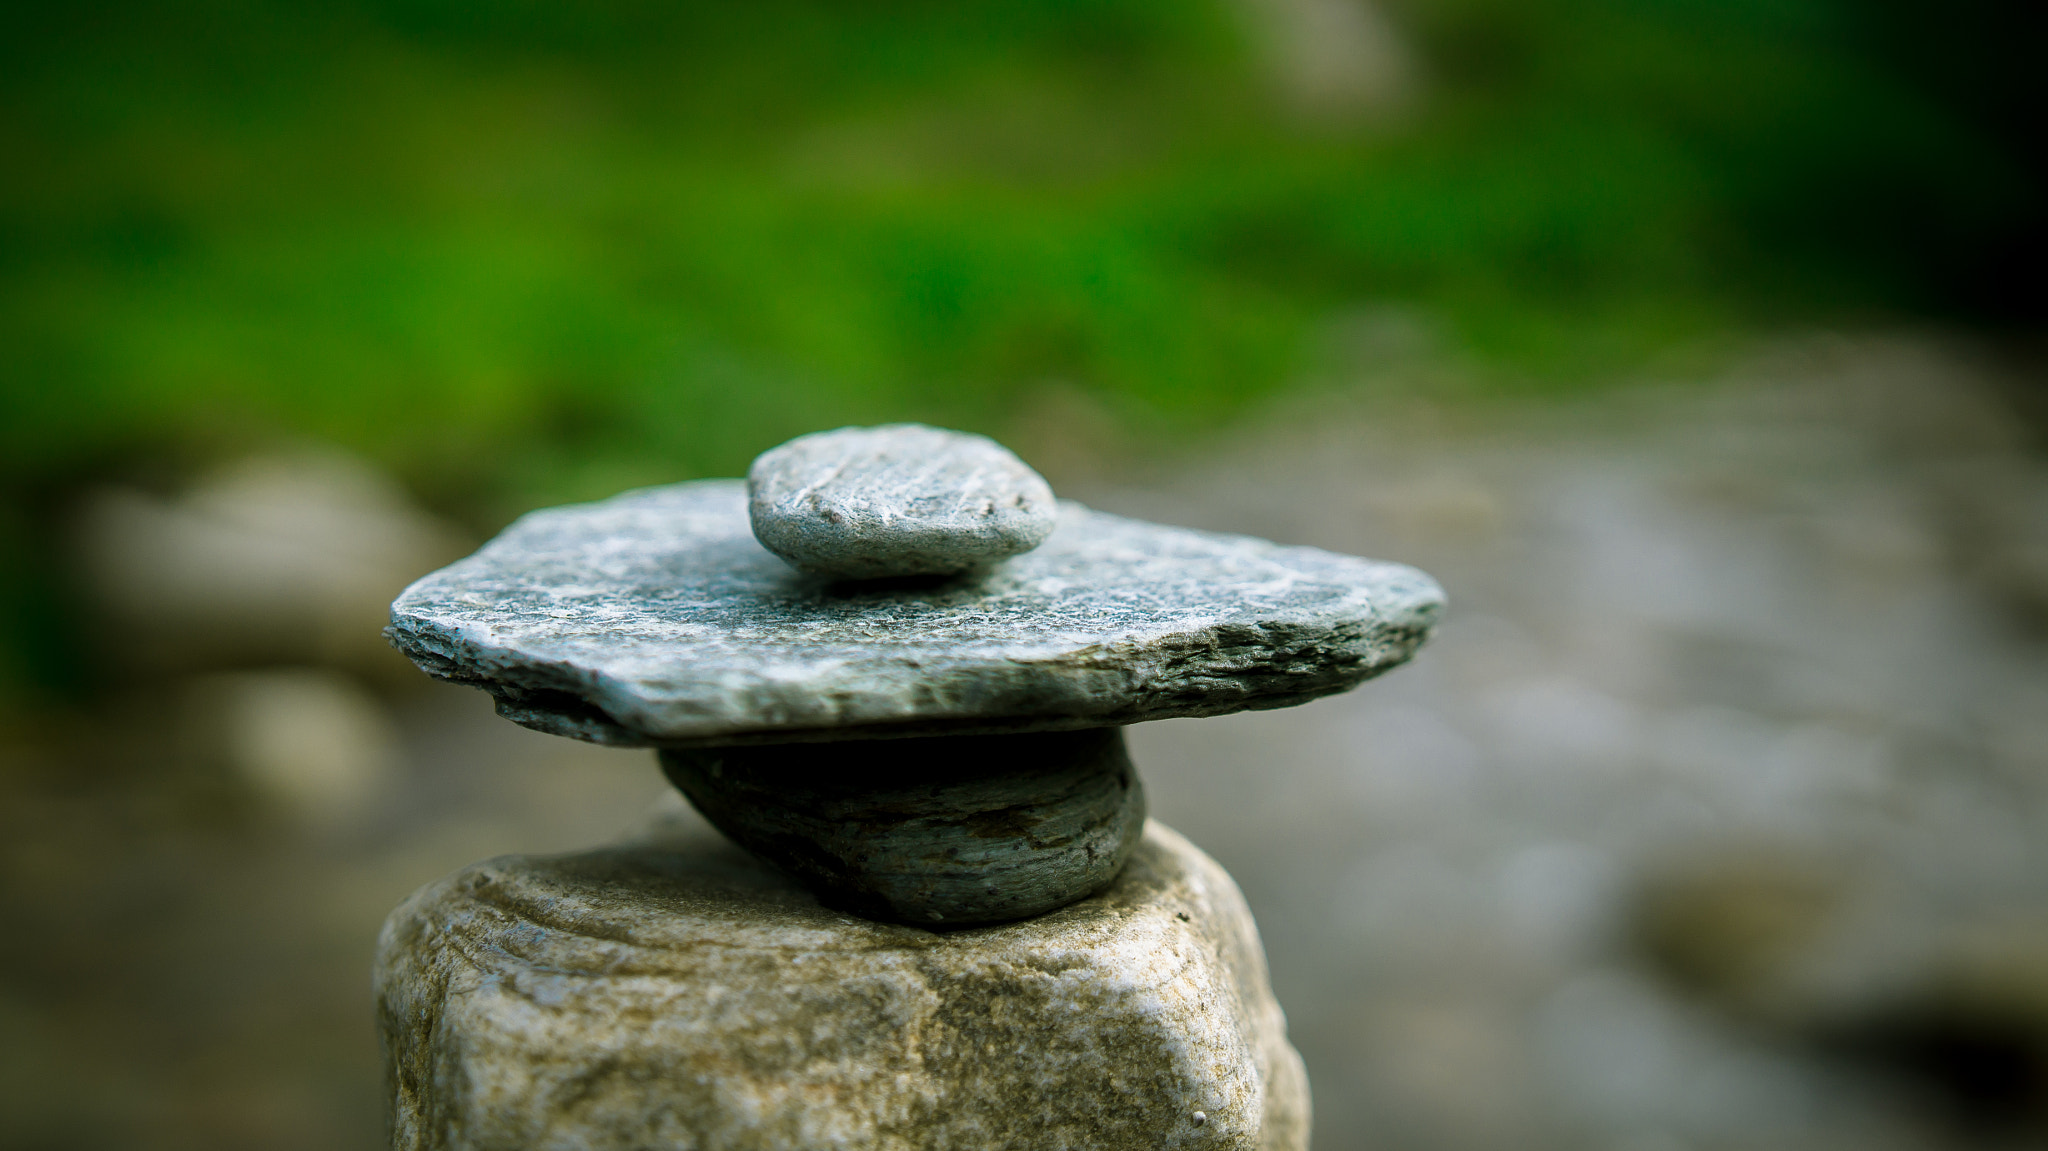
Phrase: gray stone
(898, 500)
(676, 994)
(953, 830)
(655, 618)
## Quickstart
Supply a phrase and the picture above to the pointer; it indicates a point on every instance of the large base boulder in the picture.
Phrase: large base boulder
(673, 993)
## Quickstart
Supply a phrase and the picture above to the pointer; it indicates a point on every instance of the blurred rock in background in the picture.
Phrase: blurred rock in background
(281, 559)
(1334, 59)
(310, 743)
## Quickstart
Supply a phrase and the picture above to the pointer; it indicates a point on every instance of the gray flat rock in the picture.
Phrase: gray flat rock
(896, 500)
(655, 619)
(673, 993)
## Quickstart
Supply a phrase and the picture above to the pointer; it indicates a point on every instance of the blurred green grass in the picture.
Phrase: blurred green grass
(527, 252)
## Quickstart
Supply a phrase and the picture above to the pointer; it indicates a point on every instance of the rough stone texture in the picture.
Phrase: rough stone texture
(655, 618)
(953, 830)
(898, 500)
(676, 994)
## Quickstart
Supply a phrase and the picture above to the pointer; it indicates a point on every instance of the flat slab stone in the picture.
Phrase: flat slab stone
(896, 500)
(676, 994)
(656, 619)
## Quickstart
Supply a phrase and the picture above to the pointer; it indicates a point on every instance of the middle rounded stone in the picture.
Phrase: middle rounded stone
(946, 831)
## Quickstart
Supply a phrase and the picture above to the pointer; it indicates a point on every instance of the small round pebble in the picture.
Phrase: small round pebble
(896, 500)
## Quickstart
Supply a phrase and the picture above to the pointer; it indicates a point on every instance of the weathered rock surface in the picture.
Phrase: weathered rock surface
(675, 994)
(655, 618)
(897, 500)
(953, 830)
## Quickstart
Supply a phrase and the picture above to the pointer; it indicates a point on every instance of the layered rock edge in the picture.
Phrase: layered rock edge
(673, 992)
(656, 619)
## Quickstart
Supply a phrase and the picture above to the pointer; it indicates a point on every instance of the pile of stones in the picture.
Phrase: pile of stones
(894, 669)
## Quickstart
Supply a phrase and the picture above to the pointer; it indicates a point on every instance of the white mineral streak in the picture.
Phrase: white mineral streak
(896, 500)
(671, 993)
(656, 618)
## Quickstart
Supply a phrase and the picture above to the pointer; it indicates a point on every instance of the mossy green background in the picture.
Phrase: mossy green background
(526, 252)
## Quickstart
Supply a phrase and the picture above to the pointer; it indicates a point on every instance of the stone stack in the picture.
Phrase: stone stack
(893, 669)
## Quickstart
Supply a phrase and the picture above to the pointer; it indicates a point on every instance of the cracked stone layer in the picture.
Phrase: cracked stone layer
(674, 993)
(656, 619)
(951, 830)
(896, 500)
